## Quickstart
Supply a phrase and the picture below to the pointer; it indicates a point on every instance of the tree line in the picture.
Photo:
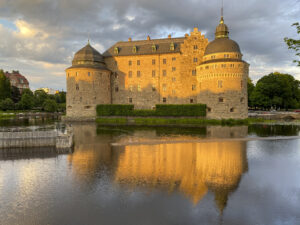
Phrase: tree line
(12, 99)
(276, 90)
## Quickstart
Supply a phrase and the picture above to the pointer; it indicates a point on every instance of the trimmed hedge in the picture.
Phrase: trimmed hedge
(161, 110)
(181, 110)
(114, 110)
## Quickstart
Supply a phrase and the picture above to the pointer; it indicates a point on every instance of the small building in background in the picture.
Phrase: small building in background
(17, 80)
(49, 91)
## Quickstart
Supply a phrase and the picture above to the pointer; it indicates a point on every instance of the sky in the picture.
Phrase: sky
(40, 37)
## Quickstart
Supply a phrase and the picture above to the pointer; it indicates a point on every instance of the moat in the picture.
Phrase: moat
(126, 175)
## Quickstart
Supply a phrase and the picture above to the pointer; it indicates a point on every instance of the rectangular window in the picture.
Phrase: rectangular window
(220, 84)
(138, 74)
(129, 62)
(138, 62)
(194, 72)
(191, 100)
(76, 74)
(213, 57)
(195, 60)
(164, 87)
(195, 47)
(153, 61)
(207, 67)
(130, 88)
(232, 65)
(153, 87)
(174, 59)
(164, 73)
(116, 89)
(164, 100)
(130, 100)
(226, 56)
(173, 69)
(89, 74)
(193, 87)
(221, 99)
(77, 87)
(139, 88)
(153, 73)
(130, 74)
(164, 61)
(223, 65)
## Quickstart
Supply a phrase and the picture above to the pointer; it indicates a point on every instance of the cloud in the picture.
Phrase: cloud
(51, 31)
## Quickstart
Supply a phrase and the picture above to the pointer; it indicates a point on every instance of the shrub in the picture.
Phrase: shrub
(161, 110)
(7, 104)
(114, 110)
(181, 110)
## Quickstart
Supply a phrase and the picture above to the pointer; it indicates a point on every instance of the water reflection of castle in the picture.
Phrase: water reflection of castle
(193, 169)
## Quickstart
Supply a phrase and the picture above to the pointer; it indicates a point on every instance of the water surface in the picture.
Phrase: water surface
(149, 176)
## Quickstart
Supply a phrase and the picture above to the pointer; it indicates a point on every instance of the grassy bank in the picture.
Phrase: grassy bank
(5, 115)
(177, 121)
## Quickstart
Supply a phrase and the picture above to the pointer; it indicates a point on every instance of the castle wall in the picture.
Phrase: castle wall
(86, 88)
(162, 78)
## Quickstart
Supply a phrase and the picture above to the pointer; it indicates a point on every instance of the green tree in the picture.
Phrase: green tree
(7, 104)
(27, 91)
(5, 87)
(50, 105)
(27, 101)
(40, 97)
(294, 43)
(60, 97)
(276, 90)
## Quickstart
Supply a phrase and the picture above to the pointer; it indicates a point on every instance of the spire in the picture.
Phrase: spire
(222, 29)
(222, 11)
(88, 38)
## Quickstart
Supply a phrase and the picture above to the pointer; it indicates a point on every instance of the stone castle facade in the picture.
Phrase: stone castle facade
(185, 70)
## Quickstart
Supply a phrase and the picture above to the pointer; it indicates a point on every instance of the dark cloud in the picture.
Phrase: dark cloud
(258, 26)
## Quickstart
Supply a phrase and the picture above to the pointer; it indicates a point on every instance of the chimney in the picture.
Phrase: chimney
(169, 36)
(148, 38)
(129, 39)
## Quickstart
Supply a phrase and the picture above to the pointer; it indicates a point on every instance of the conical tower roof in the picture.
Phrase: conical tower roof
(88, 56)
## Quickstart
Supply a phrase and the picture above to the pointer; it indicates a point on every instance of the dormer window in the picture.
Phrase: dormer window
(116, 50)
(134, 49)
(153, 48)
(172, 47)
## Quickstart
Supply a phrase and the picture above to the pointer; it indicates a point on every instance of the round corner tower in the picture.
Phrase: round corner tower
(223, 77)
(88, 83)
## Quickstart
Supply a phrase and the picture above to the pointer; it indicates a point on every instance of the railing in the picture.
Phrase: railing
(32, 139)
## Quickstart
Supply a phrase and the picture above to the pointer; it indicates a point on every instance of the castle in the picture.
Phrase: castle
(184, 70)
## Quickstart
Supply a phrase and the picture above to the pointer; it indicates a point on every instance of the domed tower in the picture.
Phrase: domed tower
(223, 77)
(88, 83)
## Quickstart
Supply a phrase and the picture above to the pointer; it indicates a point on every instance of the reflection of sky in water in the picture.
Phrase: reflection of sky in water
(257, 182)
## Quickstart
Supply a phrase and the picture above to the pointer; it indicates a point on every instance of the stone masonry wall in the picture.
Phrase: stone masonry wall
(86, 88)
